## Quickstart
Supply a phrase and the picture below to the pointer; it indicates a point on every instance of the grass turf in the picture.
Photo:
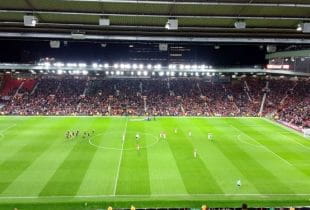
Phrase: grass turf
(39, 168)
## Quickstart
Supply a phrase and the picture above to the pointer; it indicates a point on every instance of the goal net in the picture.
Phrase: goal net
(306, 132)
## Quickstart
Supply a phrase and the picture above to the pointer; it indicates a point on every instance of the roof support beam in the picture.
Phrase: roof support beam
(155, 38)
(154, 15)
(197, 3)
(77, 26)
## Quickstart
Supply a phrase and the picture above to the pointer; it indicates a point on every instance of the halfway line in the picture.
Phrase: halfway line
(120, 158)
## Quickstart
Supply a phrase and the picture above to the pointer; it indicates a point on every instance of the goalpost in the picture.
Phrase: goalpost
(306, 132)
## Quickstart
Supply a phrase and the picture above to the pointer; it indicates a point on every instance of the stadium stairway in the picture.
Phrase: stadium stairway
(13, 83)
(264, 99)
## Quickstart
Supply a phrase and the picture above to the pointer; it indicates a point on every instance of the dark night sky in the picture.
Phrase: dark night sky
(31, 51)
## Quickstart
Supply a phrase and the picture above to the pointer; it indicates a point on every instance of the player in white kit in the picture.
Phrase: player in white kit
(239, 183)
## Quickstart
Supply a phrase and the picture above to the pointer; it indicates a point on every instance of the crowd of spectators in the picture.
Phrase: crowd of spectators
(286, 100)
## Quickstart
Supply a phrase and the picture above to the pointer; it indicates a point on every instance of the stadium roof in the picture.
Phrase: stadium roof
(199, 20)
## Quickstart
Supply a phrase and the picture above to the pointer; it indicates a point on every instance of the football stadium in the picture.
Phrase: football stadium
(154, 104)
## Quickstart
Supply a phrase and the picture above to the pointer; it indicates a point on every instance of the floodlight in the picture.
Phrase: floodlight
(158, 66)
(78, 35)
(71, 64)
(299, 27)
(30, 20)
(163, 47)
(172, 24)
(240, 24)
(306, 27)
(82, 65)
(104, 21)
(128, 66)
(58, 64)
(54, 44)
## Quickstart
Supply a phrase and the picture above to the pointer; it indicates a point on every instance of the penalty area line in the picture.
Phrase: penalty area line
(263, 146)
(7, 128)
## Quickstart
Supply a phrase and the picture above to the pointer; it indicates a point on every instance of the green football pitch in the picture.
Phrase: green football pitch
(39, 167)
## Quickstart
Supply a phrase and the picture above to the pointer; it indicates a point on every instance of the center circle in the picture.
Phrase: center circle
(106, 140)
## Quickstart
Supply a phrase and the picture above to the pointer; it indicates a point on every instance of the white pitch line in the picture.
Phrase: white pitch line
(245, 142)
(145, 195)
(120, 158)
(5, 129)
(294, 141)
(263, 146)
(119, 149)
(290, 131)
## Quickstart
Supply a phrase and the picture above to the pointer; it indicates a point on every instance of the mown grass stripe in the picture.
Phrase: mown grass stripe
(263, 180)
(13, 140)
(217, 162)
(165, 177)
(134, 171)
(100, 176)
(291, 131)
(294, 136)
(67, 178)
(274, 143)
(270, 135)
(98, 194)
(121, 156)
(45, 166)
(12, 167)
(189, 167)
